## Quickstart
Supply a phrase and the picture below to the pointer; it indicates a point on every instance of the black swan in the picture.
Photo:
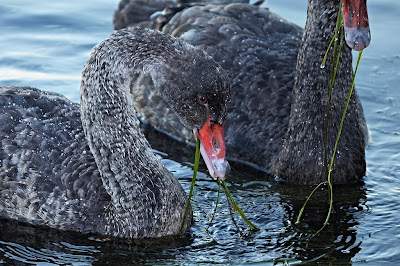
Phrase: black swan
(276, 117)
(89, 168)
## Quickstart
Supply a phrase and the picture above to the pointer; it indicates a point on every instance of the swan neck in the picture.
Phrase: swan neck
(319, 31)
(140, 187)
(311, 76)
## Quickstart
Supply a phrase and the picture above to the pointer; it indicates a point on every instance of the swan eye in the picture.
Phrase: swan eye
(202, 100)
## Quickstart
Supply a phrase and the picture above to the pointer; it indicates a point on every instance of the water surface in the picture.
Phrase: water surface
(46, 46)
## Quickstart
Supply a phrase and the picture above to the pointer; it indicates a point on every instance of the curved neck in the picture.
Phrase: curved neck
(137, 182)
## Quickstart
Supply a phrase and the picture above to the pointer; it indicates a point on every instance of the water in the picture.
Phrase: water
(46, 45)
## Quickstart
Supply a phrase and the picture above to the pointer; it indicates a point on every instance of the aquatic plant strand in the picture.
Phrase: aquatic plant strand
(308, 198)
(195, 168)
(336, 55)
(329, 182)
(216, 206)
(343, 117)
(195, 210)
(333, 77)
(231, 212)
(228, 194)
(336, 143)
(237, 208)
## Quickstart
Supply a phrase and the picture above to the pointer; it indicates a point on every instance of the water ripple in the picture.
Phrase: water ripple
(31, 255)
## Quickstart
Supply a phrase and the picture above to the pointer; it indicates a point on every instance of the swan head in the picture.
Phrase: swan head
(198, 90)
(356, 24)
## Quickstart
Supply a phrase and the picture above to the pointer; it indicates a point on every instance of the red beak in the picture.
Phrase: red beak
(356, 24)
(212, 148)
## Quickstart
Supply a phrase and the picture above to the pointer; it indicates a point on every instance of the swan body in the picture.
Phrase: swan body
(276, 117)
(88, 167)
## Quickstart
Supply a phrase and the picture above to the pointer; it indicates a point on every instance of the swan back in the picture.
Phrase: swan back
(48, 174)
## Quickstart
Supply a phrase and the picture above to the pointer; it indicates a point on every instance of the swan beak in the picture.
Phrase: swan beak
(356, 25)
(212, 149)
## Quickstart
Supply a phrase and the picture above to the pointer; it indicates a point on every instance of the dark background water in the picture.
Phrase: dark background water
(46, 44)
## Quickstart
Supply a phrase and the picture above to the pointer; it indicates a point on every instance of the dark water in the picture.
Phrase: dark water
(45, 45)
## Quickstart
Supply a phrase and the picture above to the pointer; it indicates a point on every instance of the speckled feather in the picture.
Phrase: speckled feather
(48, 173)
(109, 182)
(259, 49)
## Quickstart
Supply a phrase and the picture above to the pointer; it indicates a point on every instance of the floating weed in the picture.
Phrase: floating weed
(231, 201)
(339, 31)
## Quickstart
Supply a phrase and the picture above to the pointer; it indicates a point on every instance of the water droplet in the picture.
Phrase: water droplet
(322, 66)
